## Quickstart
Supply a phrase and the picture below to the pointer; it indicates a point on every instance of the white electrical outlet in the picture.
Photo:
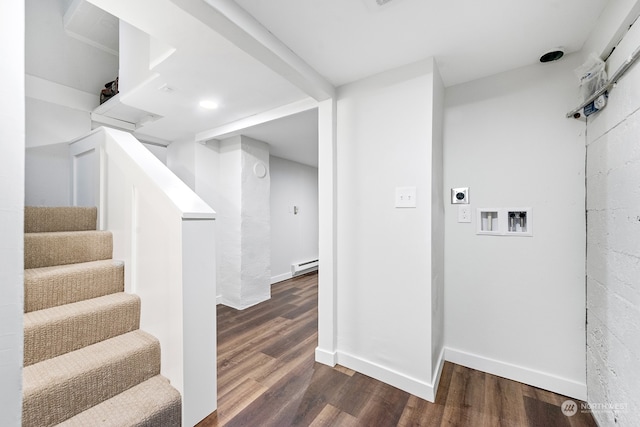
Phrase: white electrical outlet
(464, 213)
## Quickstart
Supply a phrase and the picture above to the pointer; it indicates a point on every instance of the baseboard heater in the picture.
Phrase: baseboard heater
(304, 267)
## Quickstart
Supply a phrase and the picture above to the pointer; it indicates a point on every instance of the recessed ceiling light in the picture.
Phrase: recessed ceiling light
(209, 105)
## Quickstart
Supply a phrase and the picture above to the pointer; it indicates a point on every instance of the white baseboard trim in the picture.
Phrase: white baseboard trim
(404, 382)
(437, 372)
(326, 357)
(222, 300)
(521, 374)
(281, 278)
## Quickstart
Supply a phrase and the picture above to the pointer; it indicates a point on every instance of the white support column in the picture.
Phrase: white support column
(244, 231)
(327, 191)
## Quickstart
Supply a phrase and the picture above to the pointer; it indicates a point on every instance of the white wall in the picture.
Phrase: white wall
(384, 253)
(294, 238)
(49, 123)
(181, 160)
(613, 247)
(55, 56)
(160, 151)
(11, 210)
(515, 306)
(64, 78)
(48, 175)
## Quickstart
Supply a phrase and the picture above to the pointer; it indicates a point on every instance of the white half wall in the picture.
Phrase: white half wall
(385, 133)
(613, 247)
(515, 306)
(294, 235)
(12, 135)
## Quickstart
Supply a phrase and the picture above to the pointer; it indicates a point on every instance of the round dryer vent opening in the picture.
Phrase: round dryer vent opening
(552, 55)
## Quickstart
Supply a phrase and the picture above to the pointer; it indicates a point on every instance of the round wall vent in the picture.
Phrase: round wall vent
(552, 55)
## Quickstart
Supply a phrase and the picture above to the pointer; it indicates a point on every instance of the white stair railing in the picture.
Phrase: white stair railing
(165, 235)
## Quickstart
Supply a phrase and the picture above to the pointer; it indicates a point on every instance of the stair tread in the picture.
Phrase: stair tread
(56, 285)
(66, 247)
(57, 389)
(54, 331)
(152, 403)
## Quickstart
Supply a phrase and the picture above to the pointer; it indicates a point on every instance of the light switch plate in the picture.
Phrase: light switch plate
(405, 197)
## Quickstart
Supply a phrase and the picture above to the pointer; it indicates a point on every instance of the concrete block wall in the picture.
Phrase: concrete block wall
(613, 248)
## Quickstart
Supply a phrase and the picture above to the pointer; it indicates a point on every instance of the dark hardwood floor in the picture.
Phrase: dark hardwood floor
(267, 377)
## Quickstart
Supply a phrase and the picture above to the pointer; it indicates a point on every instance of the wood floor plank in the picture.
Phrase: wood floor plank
(419, 412)
(237, 399)
(278, 405)
(504, 402)
(465, 398)
(332, 416)
(267, 376)
(385, 406)
(344, 370)
(540, 413)
(353, 397)
(258, 365)
(324, 383)
(302, 353)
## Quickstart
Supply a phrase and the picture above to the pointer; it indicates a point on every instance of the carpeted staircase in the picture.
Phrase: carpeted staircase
(86, 363)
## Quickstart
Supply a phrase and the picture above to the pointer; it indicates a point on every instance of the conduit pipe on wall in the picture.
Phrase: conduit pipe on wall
(575, 113)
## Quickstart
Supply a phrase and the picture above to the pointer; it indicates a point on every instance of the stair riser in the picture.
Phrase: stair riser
(54, 286)
(60, 388)
(59, 330)
(51, 219)
(49, 249)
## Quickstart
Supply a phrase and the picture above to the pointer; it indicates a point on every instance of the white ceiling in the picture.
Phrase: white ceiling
(294, 137)
(346, 40)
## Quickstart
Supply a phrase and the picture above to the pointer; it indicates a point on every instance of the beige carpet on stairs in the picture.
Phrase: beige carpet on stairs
(58, 330)
(66, 247)
(86, 361)
(52, 286)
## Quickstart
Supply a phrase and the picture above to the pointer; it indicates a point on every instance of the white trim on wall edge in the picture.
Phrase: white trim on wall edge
(404, 382)
(325, 357)
(437, 372)
(521, 374)
(281, 278)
